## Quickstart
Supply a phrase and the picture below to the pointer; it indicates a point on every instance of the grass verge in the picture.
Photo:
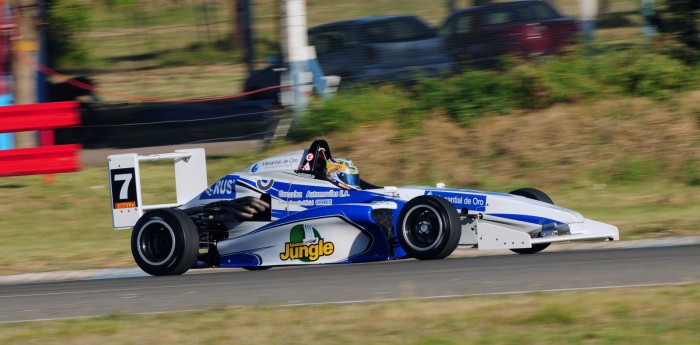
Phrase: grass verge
(662, 315)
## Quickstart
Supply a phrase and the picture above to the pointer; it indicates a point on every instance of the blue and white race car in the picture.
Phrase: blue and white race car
(308, 207)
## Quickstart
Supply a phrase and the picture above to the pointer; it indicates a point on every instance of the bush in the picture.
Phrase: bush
(521, 85)
(65, 18)
(354, 106)
(646, 74)
(574, 77)
(530, 88)
(466, 96)
(691, 172)
(680, 19)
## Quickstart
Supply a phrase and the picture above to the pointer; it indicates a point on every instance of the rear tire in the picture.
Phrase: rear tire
(165, 242)
(429, 228)
(536, 194)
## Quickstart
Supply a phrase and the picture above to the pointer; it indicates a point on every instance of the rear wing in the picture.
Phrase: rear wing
(125, 182)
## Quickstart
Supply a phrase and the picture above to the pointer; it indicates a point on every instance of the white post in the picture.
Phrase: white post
(589, 10)
(296, 54)
(300, 57)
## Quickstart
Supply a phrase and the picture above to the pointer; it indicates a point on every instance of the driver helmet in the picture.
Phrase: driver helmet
(342, 172)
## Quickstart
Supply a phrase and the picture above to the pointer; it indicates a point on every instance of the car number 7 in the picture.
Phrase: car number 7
(124, 191)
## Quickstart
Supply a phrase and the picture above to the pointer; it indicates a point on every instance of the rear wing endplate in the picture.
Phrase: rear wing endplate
(125, 182)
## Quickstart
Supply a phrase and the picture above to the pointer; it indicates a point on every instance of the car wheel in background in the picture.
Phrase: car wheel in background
(536, 194)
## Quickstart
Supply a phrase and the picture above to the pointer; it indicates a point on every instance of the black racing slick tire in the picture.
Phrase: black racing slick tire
(165, 242)
(532, 193)
(536, 194)
(429, 228)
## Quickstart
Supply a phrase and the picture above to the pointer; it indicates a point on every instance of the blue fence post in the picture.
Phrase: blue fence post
(648, 13)
(7, 140)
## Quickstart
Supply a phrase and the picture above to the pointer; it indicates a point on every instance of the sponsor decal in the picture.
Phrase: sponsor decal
(224, 188)
(301, 202)
(324, 202)
(331, 193)
(278, 163)
(315, 194)
(291, 195)
(307, 162)
(127, 204)
(470, 201)
(305, 244)
(264, 186)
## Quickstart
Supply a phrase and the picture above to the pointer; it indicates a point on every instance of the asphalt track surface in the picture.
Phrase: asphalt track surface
(354, 283)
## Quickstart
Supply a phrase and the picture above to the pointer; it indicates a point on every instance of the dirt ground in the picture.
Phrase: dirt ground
(563, 144)
(551, 146)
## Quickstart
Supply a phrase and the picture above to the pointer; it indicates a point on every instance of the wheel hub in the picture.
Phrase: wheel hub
(156, 242)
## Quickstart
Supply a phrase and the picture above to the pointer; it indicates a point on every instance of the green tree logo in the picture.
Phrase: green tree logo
(305, 244)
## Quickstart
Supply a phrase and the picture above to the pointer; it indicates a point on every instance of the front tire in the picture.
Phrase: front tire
(536, 194)
(165, 242)
(429, 228)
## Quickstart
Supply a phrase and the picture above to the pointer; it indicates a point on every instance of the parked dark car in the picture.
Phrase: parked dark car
(371, 49)
(480, 35)
(380, 48)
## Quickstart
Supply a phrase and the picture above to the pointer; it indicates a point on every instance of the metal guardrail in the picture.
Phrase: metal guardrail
(48, 158)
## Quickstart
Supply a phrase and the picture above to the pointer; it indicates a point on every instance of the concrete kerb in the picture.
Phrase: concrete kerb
(128, 272)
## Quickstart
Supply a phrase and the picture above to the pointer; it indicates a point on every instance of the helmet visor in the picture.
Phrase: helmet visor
(352, 180)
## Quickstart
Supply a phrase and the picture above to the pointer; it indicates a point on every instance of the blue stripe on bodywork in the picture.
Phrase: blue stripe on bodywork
(279, 213)
(525, 218)
(240, 260)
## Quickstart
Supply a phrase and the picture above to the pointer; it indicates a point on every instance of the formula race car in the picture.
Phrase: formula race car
(308, 207)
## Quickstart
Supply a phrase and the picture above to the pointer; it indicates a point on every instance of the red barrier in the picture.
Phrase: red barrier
(49, 158)
(34, 117)
(40, 160)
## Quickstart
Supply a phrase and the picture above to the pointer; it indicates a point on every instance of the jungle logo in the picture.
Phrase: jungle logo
(305, 244)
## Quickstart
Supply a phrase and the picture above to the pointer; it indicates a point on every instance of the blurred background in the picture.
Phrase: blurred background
(204, 48)
(136, 61)
(165, 72)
